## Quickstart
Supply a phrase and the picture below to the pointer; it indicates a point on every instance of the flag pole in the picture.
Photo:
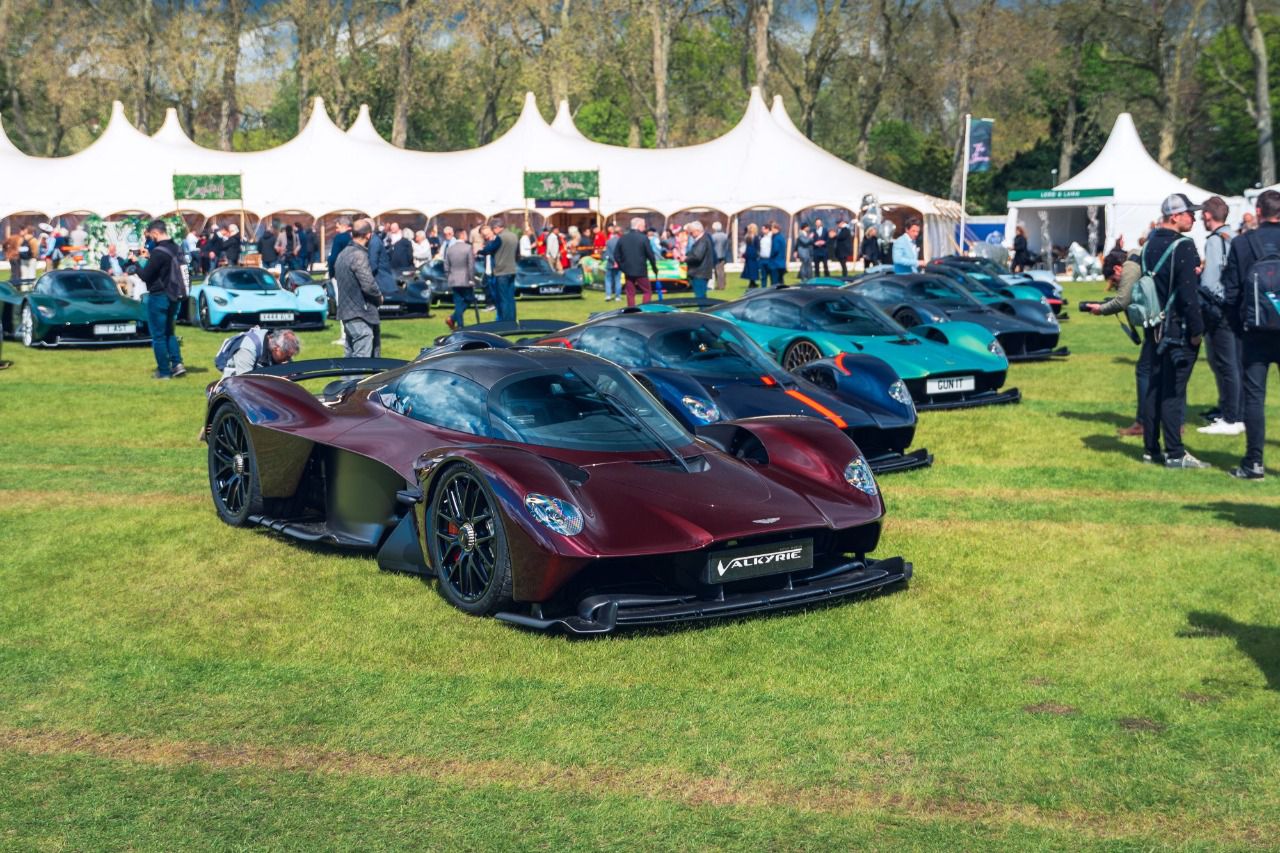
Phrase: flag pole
(964, 179)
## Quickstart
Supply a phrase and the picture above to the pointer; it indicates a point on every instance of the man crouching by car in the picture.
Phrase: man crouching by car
(257, 348)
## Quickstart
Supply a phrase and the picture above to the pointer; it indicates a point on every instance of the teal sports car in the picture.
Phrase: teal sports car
(241, 297)
(948, 365)
(73, 307)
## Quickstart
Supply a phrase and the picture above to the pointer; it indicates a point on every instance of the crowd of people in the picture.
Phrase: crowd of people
(1214, 301)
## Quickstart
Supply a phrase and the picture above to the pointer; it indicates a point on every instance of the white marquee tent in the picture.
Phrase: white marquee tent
(1123, 185)
(762, 162)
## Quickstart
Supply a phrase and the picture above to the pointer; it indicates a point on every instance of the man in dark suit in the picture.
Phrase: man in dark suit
(778, 255)
(635, 257)
(340, 241)
(267, 248)
(231, 246)
(843, 248)
(400, 250)
(700, 259)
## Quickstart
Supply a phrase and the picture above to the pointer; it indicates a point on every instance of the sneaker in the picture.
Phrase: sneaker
(1186, 460)
(1221, 427)
(1248, 472)
(448, 321)
(1211, 415)
(1149, 459)
(179, 370)
(1136, 429)
(159, 375)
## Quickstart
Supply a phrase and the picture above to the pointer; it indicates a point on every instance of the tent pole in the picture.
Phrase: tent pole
(964, 180)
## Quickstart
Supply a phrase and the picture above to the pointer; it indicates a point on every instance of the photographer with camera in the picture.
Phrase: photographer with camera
(1171, 261)
(1121, 270)
(1223, 345)
(1251, 293)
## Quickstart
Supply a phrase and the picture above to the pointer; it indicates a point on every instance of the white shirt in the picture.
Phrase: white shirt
(526, 246)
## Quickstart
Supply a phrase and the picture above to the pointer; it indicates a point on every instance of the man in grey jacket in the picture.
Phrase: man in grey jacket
(503, 248)
(720, 241)
(1224, 345)
(358, 295)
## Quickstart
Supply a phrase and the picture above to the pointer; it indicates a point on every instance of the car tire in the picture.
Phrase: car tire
(233, 468)
(27, 327)
(908, 318)
(799, 353)
(466, 543)
(203, 320)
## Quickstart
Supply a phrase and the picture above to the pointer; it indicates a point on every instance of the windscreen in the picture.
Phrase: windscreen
(247, 280)
(82, 284)
(534, 265)
(943, 293)
(715, 350)
(586, 407)
(844, 315)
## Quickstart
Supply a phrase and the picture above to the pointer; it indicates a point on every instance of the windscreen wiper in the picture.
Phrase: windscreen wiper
(623, 409)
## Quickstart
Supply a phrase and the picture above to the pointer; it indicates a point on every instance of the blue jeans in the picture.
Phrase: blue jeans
(699, 286)
(612, 283)
(504, 296)
(462, 299)
(161, 314)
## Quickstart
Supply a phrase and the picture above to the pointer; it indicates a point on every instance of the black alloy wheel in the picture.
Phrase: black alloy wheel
(467, 544)
(799, 353)
(206, 322)
(233, 468)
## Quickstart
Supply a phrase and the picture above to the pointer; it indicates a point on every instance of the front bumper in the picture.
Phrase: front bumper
(969, 401)
(602, 614)
(1040, 355)
(890, 462)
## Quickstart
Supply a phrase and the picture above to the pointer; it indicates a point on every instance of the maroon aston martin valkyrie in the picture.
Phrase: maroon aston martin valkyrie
(545, 486)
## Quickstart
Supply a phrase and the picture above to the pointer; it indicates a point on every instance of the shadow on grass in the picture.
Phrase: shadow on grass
(1097, 417)
(1112, 444)
(1260, 642)
(1124, 359)
(1242, 514)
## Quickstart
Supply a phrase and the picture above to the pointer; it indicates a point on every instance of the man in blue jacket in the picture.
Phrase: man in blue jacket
(340, 241)
(906, 258)
(777, 255)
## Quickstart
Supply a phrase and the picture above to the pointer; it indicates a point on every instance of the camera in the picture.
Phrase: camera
(1086, 307)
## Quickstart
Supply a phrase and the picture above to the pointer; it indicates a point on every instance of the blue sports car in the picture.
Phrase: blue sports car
(240, 297)
(946, 365)
(705, 371)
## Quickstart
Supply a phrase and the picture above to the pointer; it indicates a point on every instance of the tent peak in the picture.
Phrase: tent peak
(563, 121)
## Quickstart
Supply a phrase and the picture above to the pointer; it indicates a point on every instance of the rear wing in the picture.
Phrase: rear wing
(505, 329)
(320, 368)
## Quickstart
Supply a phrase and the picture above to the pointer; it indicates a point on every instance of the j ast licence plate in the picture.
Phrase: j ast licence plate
(115, 328)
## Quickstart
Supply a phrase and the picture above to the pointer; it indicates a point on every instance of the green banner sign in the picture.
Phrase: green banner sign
(202, 187)
(1050, 195)
(559, 185)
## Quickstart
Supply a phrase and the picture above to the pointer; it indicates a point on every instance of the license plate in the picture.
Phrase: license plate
(949, 385)
(115, 328)
(390, 309)
(276, 317)
(741, 563)
(551, 288)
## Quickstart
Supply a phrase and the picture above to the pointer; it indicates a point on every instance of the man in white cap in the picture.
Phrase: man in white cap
(1173, 345)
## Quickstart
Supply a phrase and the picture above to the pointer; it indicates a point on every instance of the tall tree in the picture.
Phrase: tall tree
(1260, 105)
(405, 28)
(761, 12)
(233, 21)
(809, 69)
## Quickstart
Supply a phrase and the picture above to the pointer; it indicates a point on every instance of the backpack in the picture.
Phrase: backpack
(1144, 307)
(232, 345)
(1260, 302)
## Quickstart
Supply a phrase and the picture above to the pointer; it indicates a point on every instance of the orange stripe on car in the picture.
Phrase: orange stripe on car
(818, 407)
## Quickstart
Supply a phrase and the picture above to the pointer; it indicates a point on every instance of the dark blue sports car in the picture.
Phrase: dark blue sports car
(706, 370)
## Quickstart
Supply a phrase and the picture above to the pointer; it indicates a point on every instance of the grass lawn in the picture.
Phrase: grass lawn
(1088, 656)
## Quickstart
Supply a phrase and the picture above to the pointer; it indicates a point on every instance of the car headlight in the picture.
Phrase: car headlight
(858, 474)
(898, 391)
(218, 300)
(703, 410)
(45, 310)
(557, 515)
(995, 349)
(320, 300)
(1052, 320)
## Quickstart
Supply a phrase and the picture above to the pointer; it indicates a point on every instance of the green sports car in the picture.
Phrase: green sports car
(672, 275)
(74, 307)
(944, 365)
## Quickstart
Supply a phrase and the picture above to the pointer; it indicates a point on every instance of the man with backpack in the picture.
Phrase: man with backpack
(1220, 339)
(254, 349)
(166, 293)
(1251, 293)
(1166, 304)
